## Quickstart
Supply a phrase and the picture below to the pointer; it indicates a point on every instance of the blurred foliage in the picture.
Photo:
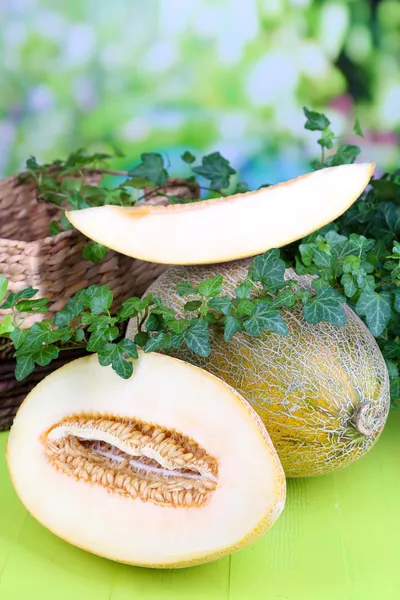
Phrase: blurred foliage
(166, 75)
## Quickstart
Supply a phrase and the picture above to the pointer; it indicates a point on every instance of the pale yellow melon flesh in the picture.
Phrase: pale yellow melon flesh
(322, 391)
(228, 228)
(128, 427)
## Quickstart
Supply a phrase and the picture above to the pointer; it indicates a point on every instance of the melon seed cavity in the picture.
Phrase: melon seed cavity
(133, 459)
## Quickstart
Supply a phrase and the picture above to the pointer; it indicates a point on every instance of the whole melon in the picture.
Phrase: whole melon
(322, 391)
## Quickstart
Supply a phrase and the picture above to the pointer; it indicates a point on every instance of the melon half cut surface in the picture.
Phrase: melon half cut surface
(169, 468)
(224, 229)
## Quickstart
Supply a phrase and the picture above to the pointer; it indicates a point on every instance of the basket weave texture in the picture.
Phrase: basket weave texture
(55, 266)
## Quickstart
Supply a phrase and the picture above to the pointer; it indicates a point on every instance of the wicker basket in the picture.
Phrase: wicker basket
(55, 266)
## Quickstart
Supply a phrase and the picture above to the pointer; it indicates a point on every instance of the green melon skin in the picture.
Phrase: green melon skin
(322, 391)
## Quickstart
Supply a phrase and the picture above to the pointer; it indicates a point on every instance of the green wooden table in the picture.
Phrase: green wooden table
(338, 539)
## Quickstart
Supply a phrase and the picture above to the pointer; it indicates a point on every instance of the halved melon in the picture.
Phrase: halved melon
(170, 468)
(224, 229)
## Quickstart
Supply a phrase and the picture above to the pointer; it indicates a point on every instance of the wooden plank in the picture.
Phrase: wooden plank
(338, 539)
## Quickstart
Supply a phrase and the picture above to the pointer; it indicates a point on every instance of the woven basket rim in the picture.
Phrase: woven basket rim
(49, 240)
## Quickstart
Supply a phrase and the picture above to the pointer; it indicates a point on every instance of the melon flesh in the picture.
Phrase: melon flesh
(322, 391)
(224, 229)
(167, 469)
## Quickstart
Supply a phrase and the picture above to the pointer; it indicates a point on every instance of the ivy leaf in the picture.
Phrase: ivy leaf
(101, 300)
(153, 323)
(186, 289)
(160, 340)
(24, 367)
(151, 168)
(193, 305)
(14, 297)
(94, 252)
(37, 335)
(315, 121)
(360, 245)
(350, 285)
(122, 367)
(45, 355)
(188, 157)
(326, 140)
(268, 268)
(376, 308)
(325, 306)
(243, 290)
(397, 300)
(216, 169)
(178, 325)
(264, 317)
(97, 340)
(71, 310)
(6, 325)
(33, 306)
(107, 353)
(177, 340)
(3, 287)
(245, 307)
(222, 304)
(232, 325)
(32, 164)
(211, 287)
(141, 338)
(307, 253)
(197, 337)
(54, 228)
(391, 214)
(357, 128)
(346, 155)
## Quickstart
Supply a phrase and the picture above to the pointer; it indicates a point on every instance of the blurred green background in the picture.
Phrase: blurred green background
(227, 75)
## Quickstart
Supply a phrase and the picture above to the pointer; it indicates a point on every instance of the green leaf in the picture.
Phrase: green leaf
(307, 253)
(33, 306)
(186, 289)
(122, 367)
(285, 297)
(159, 341)
(264, 317)
(397, 300)
(153, 323)
(357, 128)
(216, 169)
(197, 337)
(54, 228)
(376, 308)
(395, 389)
(97, 340)
(24, 367)
(315, 121)
(3, 287)
(6, 325)
(346, 155)
(391, 214)
(232, 325)
(178, 325)
(18, 337)
(325, 306)
(360, 245)
(128, 349)
(151, 168)
(211, 287)
(71, 310)
(14, 297)
(37, 335)
(79, 335)
(45, 355)
(107, 354)
(245, 307)
(141, 338)
(101, 300)
(32, 164)
(94, 252)
(268, 268)
(222, 304)
(243, 290)
(65, 223)
(391, 350)
(350, 285)
(188, 157)
(322, 257)
(386, 189)
(326, 140)
(193, 305)
(177, 340)
(241, 188)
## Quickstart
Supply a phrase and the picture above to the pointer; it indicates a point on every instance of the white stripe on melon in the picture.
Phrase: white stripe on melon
(224, 229)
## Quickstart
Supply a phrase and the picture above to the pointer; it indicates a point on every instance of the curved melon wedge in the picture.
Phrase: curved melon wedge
(169, 468)
(225, 229)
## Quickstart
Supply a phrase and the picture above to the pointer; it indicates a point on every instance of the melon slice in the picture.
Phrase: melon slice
(167, 469)
(224, 229)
